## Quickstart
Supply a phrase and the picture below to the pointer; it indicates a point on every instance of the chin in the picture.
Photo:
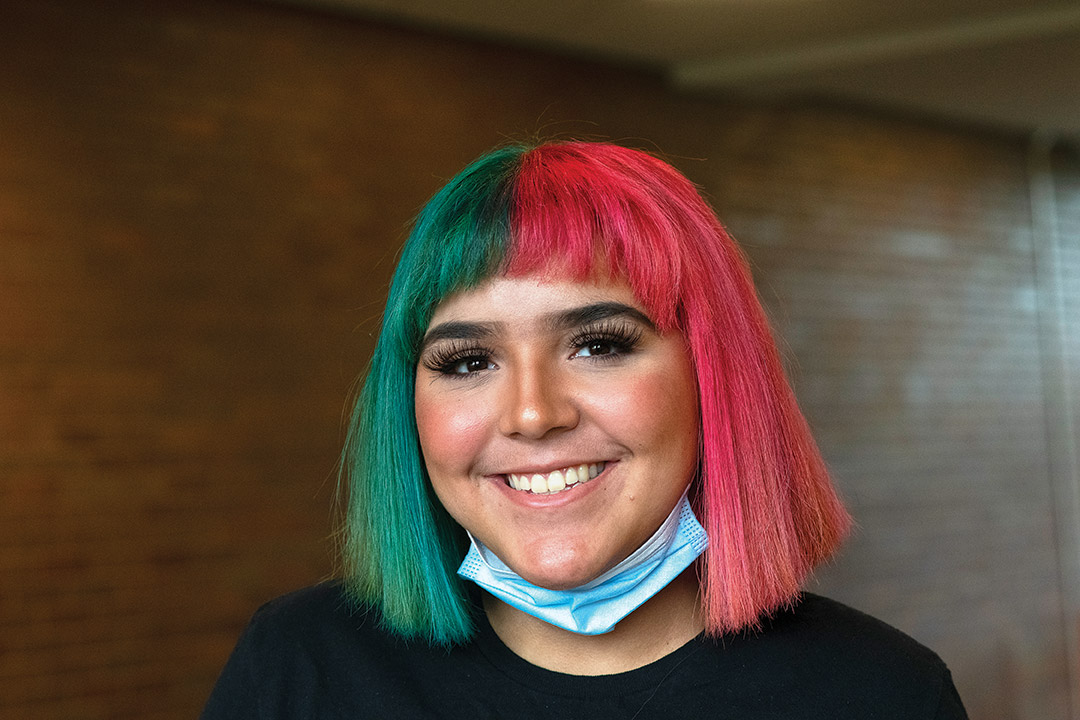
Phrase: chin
(558, 574)
(557, 583)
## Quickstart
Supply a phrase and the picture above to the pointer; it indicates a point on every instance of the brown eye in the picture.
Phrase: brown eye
(608, 341)
(458, 360)
(597, 347)
(470, 365)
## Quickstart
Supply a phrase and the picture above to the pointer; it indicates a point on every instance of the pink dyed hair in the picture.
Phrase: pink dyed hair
(762, 493)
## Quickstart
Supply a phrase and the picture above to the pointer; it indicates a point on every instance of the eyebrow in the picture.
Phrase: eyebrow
(567, 319)
(456, 330)
(588, 314)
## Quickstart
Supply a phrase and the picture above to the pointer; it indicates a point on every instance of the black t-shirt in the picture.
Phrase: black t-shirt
(307, 655)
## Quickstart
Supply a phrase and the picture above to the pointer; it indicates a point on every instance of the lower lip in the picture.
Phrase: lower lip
(553, 500)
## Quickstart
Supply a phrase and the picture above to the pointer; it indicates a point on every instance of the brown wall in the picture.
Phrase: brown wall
(199, 208)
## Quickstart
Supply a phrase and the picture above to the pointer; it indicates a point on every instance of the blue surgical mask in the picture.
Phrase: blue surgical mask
(595, 608)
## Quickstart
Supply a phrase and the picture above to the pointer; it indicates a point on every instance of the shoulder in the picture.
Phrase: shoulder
(843, 661)
(831, 625)
(324, 600)
(316, 620)
(311, 653)
(309, 633)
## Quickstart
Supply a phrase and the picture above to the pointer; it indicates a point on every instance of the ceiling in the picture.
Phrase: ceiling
(1011, 64)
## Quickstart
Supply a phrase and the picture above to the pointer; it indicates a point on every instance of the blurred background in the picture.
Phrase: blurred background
(200, 207)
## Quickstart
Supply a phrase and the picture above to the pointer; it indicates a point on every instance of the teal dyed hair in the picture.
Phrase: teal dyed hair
(409, 572)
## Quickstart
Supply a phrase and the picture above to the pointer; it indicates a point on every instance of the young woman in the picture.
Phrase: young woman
(578, 482)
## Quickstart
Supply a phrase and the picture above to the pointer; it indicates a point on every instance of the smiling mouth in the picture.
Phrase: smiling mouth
(555, 481)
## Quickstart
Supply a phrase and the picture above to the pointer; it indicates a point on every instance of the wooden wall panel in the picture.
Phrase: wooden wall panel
(200, 203)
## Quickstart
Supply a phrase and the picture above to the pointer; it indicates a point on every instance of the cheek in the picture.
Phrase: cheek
(451, 432)
(654, 411)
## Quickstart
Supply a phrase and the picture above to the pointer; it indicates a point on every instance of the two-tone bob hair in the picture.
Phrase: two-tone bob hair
(581, 210)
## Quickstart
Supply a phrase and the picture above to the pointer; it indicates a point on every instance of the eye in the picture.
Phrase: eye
(467, 366)
(458, 362)
(597, 348)
(606, 341)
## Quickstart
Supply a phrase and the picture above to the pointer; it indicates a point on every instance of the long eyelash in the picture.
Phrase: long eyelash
(443, 358)
(623, 336)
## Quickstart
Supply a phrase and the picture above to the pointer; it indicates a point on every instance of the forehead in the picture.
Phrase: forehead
(510, 299)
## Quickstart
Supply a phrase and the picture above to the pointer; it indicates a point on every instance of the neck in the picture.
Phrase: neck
(664, 623)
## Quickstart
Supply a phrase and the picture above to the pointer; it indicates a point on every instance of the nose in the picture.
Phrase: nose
(537, 402)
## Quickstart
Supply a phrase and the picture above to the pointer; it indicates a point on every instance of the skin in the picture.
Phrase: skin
(529, 375)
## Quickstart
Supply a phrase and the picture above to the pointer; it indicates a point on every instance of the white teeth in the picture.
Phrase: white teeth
(539, 484)
(555, 481)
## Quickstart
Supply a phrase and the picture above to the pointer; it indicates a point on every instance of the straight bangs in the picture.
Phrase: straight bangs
(762, 491)
(584, 210)
(400, 548)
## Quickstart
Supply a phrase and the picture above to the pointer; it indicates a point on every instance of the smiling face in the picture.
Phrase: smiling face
(557, 424)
